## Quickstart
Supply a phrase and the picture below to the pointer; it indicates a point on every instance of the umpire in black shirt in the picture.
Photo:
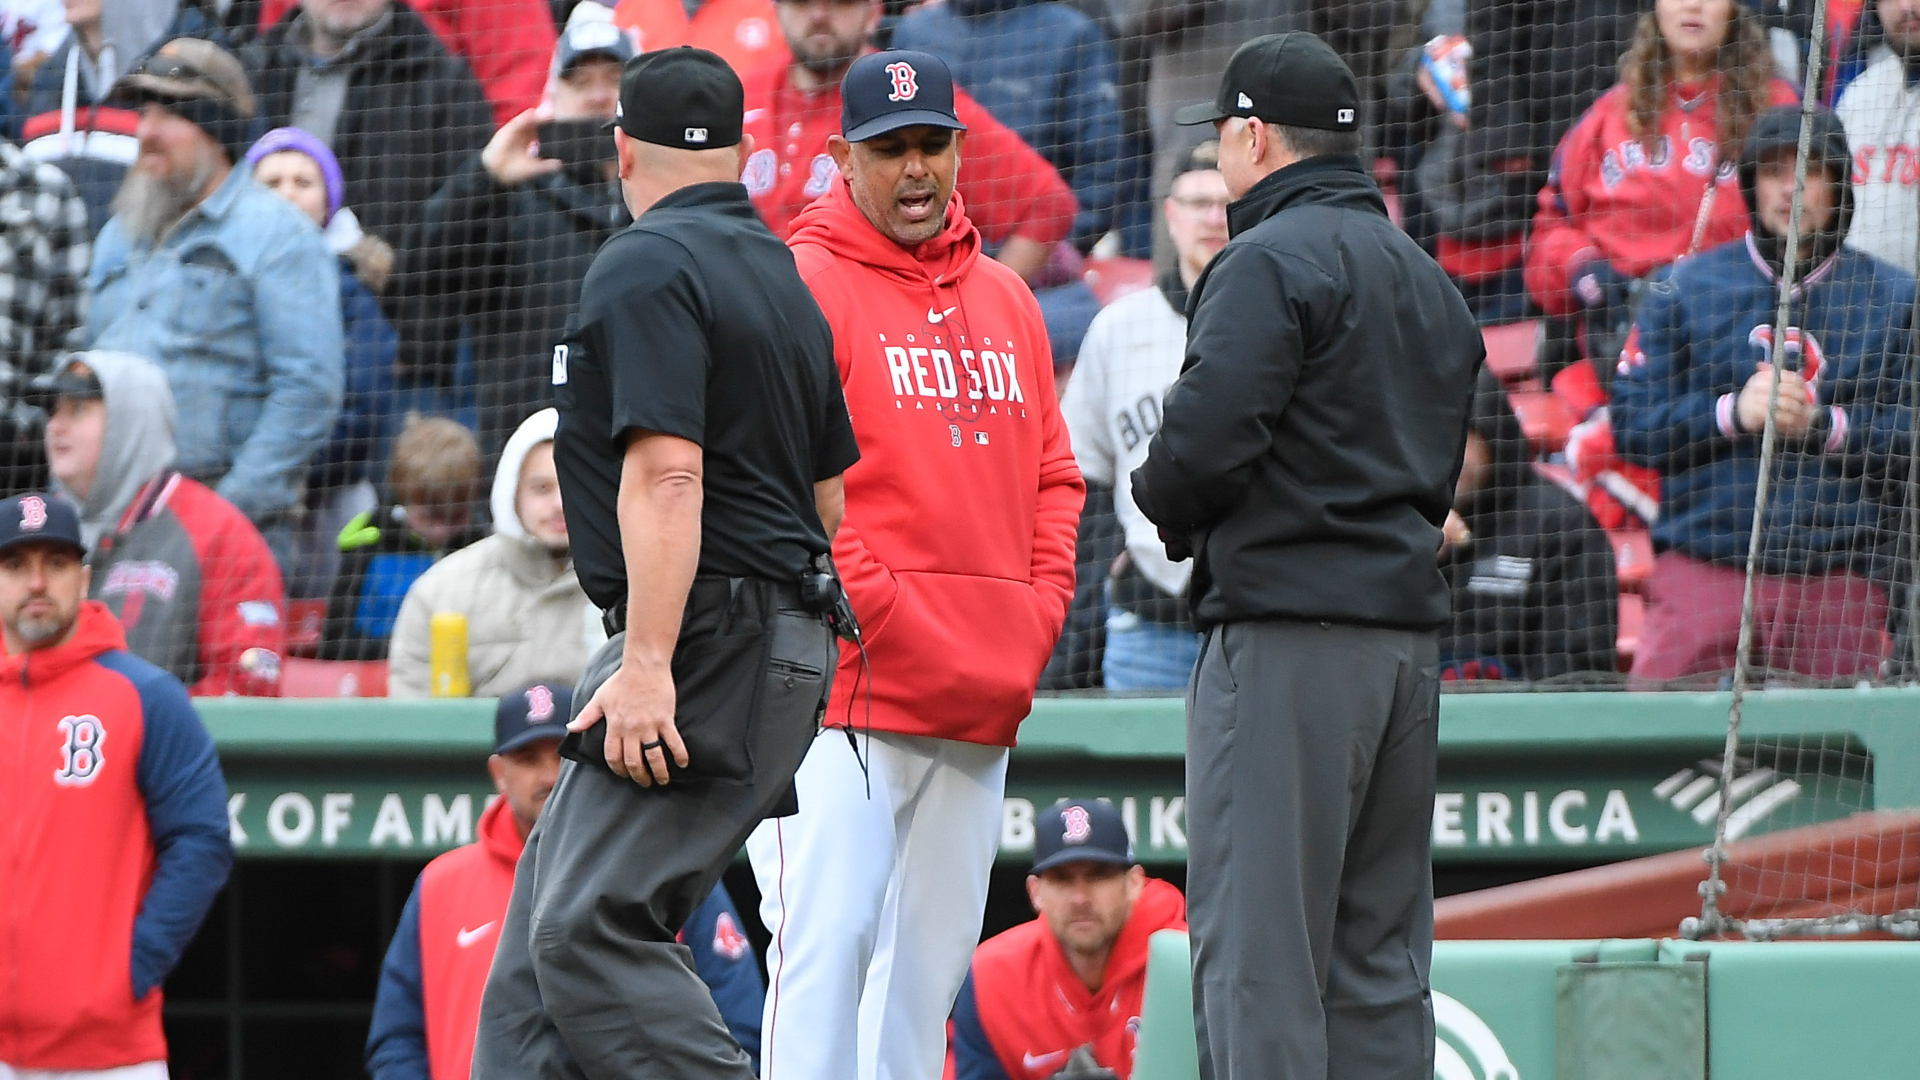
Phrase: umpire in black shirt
(701, 441)
(1306, 458)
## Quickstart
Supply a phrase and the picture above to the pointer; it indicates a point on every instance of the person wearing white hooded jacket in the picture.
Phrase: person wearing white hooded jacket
(527, 619)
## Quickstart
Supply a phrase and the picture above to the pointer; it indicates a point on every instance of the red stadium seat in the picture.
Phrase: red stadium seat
(1513, 350)
(306, 619)
(1632, 557)
(1544, 417)
(1111, 279)
(302, 678)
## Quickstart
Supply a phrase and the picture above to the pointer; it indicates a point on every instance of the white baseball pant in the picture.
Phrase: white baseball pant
(874, 905)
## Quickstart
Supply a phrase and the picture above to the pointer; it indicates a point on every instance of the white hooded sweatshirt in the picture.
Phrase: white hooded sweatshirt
(527, 620)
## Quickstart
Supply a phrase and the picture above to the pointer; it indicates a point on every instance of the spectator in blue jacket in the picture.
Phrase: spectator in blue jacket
(299, 168)
(224, 285)
(1691, 400)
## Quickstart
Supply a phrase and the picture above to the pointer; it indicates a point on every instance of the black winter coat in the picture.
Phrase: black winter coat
(1534, 590)
(512, 259)
(413, 114)
(1308, 450)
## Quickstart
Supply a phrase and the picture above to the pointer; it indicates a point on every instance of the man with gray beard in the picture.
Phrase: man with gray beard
(223, 284)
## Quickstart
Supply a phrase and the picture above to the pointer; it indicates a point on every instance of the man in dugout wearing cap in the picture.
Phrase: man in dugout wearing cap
(700, 448)
(1306, 460)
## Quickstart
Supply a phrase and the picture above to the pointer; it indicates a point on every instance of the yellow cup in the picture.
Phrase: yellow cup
(447, 659)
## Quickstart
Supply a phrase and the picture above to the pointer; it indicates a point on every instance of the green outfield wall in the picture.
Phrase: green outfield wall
(1535, 778)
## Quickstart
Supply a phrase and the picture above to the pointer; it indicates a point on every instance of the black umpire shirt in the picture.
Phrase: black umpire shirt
(693, 322)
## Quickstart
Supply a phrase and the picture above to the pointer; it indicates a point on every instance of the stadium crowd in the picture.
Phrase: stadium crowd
(281, 280)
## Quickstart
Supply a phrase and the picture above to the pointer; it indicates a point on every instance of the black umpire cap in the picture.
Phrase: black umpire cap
(1080, 830)
(1292, 79)
(685, 98)
(39, 518)
(886, 91)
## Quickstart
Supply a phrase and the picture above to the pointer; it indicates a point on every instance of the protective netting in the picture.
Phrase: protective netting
(1584, 170)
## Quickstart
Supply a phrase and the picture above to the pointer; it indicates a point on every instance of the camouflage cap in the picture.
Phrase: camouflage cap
(189, 69)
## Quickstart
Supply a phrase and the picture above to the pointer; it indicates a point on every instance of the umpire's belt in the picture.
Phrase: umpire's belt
(713, 593)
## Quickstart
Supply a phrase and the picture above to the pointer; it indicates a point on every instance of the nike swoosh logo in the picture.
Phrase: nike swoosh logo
(937, 316)
(468, 937)
(1035, 1064)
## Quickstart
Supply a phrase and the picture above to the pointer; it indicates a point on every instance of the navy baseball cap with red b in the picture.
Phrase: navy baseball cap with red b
(531, 714)
(1080, 830)
(886, 91)
(39, 518)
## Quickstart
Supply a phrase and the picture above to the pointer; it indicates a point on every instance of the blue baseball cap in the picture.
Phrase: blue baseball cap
(886, 91)
(532, 714)
(1080, 830)
(39, 518)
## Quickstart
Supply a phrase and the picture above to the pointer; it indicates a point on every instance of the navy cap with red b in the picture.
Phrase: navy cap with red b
(39, 518)
(1080, 830)
(531, 714)
(886, 91)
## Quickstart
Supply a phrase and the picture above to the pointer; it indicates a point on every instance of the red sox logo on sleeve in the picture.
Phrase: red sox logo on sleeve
(904, 86)
(1079, 826)
(80, 758)
(33, 513)
(1801, 352)
(728, 941)
(539, 705)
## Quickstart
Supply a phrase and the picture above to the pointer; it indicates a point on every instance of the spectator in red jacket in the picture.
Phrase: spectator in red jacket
(427, 1009)
(505, 42)
(741, 31)
(1018, 202)
(116, 812)
(1073, 979)
(188, 576)
(1646, 176)
(957, 555)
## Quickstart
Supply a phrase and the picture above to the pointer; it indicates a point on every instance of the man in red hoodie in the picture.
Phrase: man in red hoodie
(1074, 977)
(957, 554)
(116, 838)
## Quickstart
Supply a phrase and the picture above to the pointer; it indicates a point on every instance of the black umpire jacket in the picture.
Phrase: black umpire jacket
(1308, 451)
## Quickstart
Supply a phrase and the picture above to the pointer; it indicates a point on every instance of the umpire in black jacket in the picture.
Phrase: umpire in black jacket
(1307, 459)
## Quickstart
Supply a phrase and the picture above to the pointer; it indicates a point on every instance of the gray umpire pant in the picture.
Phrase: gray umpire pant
(1310, 775)
(588, 982)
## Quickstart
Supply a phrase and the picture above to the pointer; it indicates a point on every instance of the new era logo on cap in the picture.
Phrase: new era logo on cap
(1245, 102)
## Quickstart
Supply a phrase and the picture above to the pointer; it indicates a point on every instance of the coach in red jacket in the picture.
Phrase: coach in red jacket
(427, 1009)
(189, 577)
(1015, 198)
(1075, 976)
(116, 822)
(957, 553)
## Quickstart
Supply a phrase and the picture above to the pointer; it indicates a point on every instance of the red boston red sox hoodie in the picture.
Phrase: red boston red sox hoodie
(957, 546)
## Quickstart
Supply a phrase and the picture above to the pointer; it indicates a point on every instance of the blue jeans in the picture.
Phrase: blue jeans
(1144, 655)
